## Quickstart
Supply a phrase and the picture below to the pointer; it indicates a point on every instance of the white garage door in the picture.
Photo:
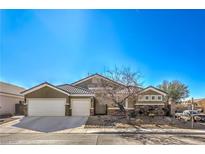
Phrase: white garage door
(80, 107)
(46, 107)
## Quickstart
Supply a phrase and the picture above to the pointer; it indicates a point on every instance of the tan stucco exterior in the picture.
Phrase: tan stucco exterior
(99, 101)
(131, 102)
(94, 82)
(47, 92)
(9, 96)
(150, 92)
(7, 104)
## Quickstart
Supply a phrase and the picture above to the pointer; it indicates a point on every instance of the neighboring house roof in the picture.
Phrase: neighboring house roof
(66, 89)
(199, 100)
(74, 89)
(96, 75)
(154, 89)
(12, 90)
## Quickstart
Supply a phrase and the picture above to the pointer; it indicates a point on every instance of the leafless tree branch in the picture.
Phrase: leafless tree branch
(126, 85)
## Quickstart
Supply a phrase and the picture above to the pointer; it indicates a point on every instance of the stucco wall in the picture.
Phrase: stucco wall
(96, 82)
(93, 82)
(85, 84)
(7, 104)
(132, 101)
(150, 92)
(47, 92)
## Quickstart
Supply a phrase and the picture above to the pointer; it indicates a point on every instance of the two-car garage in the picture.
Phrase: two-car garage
(48, 100)
(56, 107)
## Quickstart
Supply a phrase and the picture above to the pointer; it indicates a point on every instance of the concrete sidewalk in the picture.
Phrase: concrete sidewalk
(101, 139)
(142, 131)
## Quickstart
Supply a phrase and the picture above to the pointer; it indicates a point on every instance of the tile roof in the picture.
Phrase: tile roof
(74, 89)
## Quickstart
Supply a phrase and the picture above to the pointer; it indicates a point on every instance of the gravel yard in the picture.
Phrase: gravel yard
(108, 122)
(143, 122)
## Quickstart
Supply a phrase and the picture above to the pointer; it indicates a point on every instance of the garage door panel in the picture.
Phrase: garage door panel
(81, 107)
(46, 107)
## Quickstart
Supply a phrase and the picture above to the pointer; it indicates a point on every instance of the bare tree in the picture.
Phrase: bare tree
(129, 83)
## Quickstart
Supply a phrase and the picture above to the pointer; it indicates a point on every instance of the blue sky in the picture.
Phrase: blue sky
(62, 46)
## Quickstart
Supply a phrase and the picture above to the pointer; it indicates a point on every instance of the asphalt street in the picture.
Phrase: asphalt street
(101, 139)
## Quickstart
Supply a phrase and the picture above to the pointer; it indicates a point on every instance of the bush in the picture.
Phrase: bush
(132, 114)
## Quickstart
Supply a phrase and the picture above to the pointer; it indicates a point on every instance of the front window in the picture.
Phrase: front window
(150, 98)
(153, 97)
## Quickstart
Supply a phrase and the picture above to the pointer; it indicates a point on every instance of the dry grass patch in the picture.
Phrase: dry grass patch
(108, 122)
(164, 122)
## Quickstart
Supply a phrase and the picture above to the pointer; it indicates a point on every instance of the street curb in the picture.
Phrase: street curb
(9, 122)
(161, 133)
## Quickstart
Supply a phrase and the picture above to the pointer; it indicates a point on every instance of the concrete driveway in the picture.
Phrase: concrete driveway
(44, 124)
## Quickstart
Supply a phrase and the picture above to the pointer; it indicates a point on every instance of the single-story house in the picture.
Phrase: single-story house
(82, 98)
(9, 96)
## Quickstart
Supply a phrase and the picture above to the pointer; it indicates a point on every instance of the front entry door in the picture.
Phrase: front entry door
(100, 109)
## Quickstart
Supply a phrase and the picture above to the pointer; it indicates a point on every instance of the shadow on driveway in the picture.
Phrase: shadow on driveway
(51, 124)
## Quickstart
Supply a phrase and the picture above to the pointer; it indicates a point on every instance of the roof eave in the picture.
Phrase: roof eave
(88, 77)
(44, 85)
(88, 95)
(161, 91)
